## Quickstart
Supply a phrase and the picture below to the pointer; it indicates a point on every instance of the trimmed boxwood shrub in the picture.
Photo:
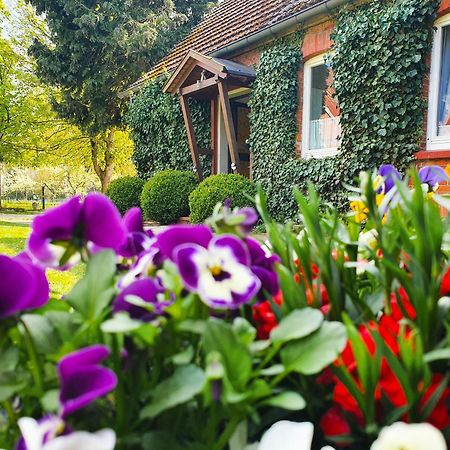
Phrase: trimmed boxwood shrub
(165, 197)
(125, 192)
(216, 189)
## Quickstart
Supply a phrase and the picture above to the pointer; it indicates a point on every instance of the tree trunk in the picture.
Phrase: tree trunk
(104, 169)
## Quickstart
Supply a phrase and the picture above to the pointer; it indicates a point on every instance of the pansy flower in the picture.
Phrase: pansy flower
(143, 300)
(83, 379)
(431, 176)
(385, 181)
(220, 273)
(23, 286)
(61, 235)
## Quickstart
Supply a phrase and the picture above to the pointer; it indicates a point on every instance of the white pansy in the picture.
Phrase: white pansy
(403, 436)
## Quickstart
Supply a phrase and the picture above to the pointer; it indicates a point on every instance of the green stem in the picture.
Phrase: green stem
(35, 365)
(119, 393)
(10, 413)
(227, 433)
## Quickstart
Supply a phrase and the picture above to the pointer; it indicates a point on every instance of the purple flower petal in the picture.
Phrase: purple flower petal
(389, 174)
(147, 290)
(251, 217)
(83, 380)
(268, 278)
(133, 220)
(178, 235)
(432, 175)
(234, 244)
(187, 259)
(22, 285)
(102, 222)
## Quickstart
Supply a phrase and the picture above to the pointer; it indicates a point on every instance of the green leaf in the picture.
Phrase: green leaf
(437, 355)
(182, 386)
(10, 383)
(273, 370)
(219, 337)
(92, 294)
(120, 323)
(50, 400)
(313, 353)
(291, 401)
(43, 333)
(244, 330)
(297, 324)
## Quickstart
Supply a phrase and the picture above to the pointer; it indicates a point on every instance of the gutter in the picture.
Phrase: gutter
(276, 31)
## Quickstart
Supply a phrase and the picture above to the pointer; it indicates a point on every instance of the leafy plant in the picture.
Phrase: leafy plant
(126, 192)
(217, 189)
(165, 197)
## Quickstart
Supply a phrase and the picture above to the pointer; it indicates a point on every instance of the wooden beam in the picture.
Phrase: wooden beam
(199, 86)
(229, 128)
(191, 137)
(214, 140)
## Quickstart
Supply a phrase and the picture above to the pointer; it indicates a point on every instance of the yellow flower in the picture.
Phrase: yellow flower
(379, 199)
(360, 209)
(447, 169)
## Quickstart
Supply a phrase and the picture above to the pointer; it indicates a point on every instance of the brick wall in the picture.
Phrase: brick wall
(317, 41)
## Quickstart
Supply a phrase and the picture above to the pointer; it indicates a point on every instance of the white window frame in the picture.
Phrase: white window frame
(307, 81)
(435, 142)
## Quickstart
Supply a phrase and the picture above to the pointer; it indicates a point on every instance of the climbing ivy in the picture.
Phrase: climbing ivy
(379, 60)
(159, 134)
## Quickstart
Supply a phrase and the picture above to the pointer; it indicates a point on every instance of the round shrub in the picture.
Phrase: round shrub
(165, 197)
(125, 192)
(216, 189)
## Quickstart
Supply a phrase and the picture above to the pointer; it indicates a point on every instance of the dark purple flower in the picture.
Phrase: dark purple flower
(432, 176)
(138, 239)
(219, 274)
(59, 234)
(143, 300)
(173, 237)
(83, 379)
(262, 264)
(22, 285)
(386, 180)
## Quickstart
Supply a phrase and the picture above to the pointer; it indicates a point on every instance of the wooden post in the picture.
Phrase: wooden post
(214, 140)
(191, 137)
(229, 127)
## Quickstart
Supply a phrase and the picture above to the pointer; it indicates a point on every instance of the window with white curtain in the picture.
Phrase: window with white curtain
(321, 129)
(438, 136)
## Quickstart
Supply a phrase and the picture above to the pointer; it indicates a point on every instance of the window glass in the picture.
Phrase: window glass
(324, 126)
(444, 89)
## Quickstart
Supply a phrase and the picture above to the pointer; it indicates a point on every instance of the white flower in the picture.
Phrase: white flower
(403, 436)
(43, 436)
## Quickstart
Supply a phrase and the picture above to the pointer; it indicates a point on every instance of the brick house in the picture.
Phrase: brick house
(216, 63)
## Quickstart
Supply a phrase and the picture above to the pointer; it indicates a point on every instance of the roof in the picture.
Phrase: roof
(193, 68)
(228, 22)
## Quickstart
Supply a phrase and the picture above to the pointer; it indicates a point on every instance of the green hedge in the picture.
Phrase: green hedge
(125, 192)
(165, 197)
(159, 134)
(216, 189)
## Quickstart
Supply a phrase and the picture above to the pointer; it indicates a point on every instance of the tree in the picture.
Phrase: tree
(97, 49)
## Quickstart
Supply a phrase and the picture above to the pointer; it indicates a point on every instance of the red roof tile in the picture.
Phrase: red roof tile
(228, 22)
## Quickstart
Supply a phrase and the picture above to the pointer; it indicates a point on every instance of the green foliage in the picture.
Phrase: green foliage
(379, 87)
(126, 192)
(165, 197)
(158, 131)
(216, 189)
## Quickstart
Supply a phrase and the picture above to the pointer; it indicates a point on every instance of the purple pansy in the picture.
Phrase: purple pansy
(239, 221)
(83, 379)
(146, 291)
(219, 274)
(262, 263)
(22, 285)
(138, 239)
(432, 176)
(59, 234)
(387, 176)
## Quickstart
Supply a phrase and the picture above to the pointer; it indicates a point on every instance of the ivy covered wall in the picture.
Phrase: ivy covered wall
(158, 131)
(379, 60)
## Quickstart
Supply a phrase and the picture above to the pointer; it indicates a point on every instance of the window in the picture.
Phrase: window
(438, 137)
(321, 112)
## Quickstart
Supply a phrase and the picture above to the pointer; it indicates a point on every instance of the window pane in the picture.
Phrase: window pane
(444, 90)
(324, 126)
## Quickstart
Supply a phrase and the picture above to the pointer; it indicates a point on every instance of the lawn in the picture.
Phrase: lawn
(13, 236)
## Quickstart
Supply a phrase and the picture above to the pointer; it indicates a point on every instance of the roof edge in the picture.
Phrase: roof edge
(262, 35)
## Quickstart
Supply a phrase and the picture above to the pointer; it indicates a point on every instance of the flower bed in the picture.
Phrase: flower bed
(204, 338)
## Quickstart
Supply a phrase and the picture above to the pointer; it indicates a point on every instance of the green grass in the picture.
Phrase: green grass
(13, 238)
